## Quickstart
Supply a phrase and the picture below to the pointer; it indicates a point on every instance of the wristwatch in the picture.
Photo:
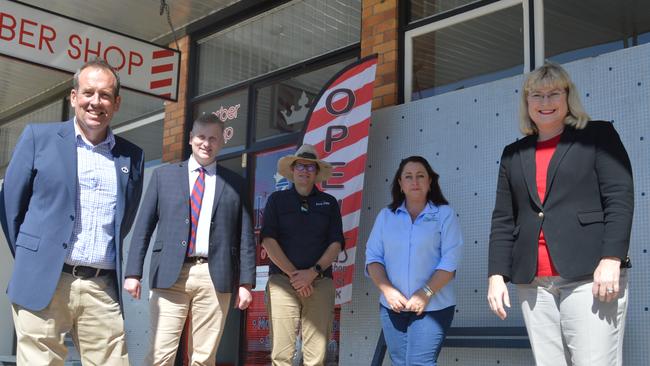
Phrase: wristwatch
(318, 269)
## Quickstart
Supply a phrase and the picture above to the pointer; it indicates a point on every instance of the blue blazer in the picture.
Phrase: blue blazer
(231, 255)
(37, 207)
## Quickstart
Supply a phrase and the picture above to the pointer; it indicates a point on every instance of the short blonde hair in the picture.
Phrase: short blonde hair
(551, 75)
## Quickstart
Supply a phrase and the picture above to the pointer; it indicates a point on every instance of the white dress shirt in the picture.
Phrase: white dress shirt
(205, 216)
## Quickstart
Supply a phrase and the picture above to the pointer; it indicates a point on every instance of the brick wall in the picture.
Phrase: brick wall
(379, 21)
(175, 116)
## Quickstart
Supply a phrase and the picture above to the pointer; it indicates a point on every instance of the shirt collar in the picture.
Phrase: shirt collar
(110, 138)
(429, 208)
(193, 165)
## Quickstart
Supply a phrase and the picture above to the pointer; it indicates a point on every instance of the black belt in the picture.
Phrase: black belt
(85, 271)
(196, 260)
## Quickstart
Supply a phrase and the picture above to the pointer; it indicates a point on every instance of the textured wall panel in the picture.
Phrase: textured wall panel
(462, 134)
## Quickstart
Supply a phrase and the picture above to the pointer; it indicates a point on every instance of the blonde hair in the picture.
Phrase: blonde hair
(551, 75)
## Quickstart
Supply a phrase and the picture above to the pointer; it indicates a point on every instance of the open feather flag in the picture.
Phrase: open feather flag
(337, 125)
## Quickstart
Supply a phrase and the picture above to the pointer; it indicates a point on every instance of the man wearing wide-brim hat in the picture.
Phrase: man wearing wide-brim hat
(303, 235)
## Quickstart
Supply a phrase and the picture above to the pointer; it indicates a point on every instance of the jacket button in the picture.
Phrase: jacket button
(183, 243)
(65, 246)
(187, 221)
(71, 217)
(540, 215)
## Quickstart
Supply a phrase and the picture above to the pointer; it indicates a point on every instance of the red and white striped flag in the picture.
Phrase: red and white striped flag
(338, 124)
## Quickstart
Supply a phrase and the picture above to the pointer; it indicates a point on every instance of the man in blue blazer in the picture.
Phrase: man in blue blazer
(69, 197)
(204, 249)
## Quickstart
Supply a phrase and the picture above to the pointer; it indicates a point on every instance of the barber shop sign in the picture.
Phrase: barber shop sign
(37, 36)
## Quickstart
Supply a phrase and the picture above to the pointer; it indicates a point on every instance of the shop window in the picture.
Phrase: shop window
(148, 136)
(419, 9)
(232, 109)
(9, 132)
(281, 108)
(283, 36)
(468, 52)
(579, 29)
(235, 164)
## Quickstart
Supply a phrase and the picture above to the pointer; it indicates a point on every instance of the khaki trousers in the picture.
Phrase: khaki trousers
(290, 312)
(89, 310)
(568, 326)
(192, 294)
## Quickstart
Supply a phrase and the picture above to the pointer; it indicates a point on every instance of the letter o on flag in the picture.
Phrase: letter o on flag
(329, 102)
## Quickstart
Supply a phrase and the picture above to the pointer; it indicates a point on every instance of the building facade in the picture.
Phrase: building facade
(448, 81)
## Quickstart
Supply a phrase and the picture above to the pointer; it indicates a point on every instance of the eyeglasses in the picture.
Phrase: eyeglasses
(302, 167)
(304, 206)
(553, 96)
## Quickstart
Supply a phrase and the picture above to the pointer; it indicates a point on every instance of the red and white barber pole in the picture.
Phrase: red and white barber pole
(338, 125)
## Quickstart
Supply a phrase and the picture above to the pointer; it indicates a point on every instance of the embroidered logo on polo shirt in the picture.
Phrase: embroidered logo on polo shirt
(324, 203)
(429, 217)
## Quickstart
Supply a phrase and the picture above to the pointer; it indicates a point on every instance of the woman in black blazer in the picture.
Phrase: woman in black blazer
(561, 227)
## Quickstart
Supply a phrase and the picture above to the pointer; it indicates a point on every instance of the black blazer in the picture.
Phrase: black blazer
(586, 214)
(231, 256)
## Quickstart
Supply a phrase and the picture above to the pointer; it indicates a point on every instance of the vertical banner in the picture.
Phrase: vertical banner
(338, 125)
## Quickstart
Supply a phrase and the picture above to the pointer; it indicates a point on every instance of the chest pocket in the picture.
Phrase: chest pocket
(428, 235)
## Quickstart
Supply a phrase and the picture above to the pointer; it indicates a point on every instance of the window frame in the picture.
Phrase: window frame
(533, 32)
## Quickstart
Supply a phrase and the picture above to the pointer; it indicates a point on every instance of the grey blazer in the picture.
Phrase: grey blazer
(231, 257)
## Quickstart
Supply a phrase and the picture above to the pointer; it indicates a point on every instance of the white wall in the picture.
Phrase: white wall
(462, 134)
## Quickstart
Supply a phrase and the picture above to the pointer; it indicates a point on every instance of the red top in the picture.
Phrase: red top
(543, 155)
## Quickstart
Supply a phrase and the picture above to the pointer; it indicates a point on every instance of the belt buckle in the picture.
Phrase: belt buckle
(74, 272)
(75, 275)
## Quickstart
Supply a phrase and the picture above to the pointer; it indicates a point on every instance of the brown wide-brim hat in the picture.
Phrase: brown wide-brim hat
(305, 152)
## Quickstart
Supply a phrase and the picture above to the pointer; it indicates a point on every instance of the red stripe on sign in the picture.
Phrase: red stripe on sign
(356, 133)
(160, 83)
(162, 68)
(166, 95)
(351, 203)
(162, 53)
(357, 70)
(351, 237)
(322, 117)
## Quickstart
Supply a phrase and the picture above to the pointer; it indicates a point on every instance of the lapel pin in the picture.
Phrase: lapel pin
(125, 170)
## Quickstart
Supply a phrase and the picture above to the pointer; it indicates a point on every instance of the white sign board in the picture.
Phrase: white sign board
(55, 41)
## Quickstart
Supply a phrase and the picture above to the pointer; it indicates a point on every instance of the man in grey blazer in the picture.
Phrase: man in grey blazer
(204, 248)
(69, 198)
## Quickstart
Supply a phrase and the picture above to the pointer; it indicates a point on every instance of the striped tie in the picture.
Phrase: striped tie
(195, 208)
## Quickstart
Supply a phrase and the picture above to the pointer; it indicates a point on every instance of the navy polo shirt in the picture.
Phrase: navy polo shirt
(304, 233)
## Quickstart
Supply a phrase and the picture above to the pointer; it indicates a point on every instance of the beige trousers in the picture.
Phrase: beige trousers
(192, 294)
(568, 326)
(290, 312)
(89, 310)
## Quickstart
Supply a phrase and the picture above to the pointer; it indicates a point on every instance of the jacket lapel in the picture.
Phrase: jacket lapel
(566, 141)
(184, 178)
(68, 153)
(122, 169)
(527, 154)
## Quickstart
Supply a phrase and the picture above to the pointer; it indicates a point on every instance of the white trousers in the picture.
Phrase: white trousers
(568, 326)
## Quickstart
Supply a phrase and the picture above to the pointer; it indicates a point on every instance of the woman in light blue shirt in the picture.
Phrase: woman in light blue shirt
(411, 256)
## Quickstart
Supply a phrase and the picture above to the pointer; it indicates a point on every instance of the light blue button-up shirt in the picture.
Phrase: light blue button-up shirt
(93, 238)
(411, 251)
